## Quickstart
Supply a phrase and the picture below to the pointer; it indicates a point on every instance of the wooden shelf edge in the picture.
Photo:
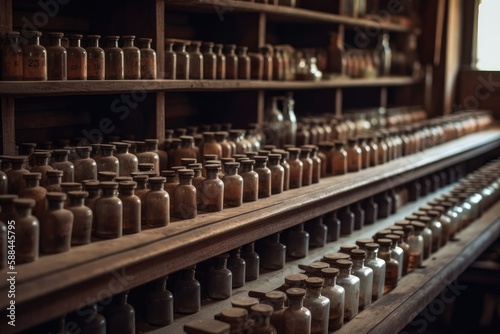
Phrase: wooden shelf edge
(87, 271)
(284, 13)
(58, 88)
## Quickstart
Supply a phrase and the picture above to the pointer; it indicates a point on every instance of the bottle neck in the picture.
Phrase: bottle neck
(185, 181)
(330, 281)
(34, 41)
(32, 183)
(77, 201)
(189, 275)
(108, 192)
(23, 212)
(61, 158)
(74, 42)
(54, 180)
(260, 164)
(38, 161)
(221, 264)
(106, 153)
(94, 42)
(371, 254)
(156, 186)
(212, 174)
(344, 272)
(113, 43)
(127, 192)
(128, 42)
(296, 304)
(358, 263)
(55, 41)
(313, 292)
(55, 205)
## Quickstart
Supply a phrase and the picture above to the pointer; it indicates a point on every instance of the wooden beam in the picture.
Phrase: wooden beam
(8, 126)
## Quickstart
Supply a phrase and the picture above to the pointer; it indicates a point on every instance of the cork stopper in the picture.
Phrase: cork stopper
(244, 302)
(372, 246)
(314, 282)
(332, 258)
(262, 309)
(127, 185)
(233, 315)
(23, 202)
(32, 176)
(418, 226)
(78, 194)
(344, 264)
(157, 179)
(56, 196)
(363, 241)
(383, 242)
(109, 185)
(295, 279)
(295, 293)
(277, 296)
(358, 254)
(347, 248)
(330, 272)
(207, 326)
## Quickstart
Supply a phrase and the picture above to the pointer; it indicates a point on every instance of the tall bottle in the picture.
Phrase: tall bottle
(365, 275)
(82, 221)
(237, 265)
(56, 58)
(12, 56)
(385, 55)
(336, 65)
(131, 58)
(212, 190)
(297, 318)
(148, 59)
(27, 228)
(131, 207)
(114, 59)
(77, 59)
(34, 59)
(318, 305)
(336, 294)
(108, 212)
(274, 123)
(392, 265)
(34, 191)
(351, 285)
(157, 203)
(95, 59)
(289, 121)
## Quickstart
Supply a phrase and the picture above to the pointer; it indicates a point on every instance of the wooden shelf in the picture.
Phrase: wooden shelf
(415, 290)
(281, 13)
(46, 88)
(63, 282)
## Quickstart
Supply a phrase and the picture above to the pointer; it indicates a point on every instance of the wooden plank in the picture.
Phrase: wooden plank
(281, 13)
(8, 126)
(88, 270)
(5, 17)
(59, 88)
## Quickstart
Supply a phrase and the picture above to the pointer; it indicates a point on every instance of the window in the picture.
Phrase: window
(488, 27)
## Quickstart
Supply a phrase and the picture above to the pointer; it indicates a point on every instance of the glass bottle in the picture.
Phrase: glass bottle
(77, 59)
(416, 242)
(85, 167)
(264, 188)
(210, 146)
(396, 252)
(350, 283)
(107, 161)
(33, 190)
(95, 59)
(274, 123)
(212, 190)
(56, 58)
(252, 261)
(250, 181)
(307, 166)
(120, 315)
(436, 227)
(12, 55)
(233, 185)
(365, 275)
(171, 60)
(339, 158)
(131, 58)
(297, 318)
(297, 241)
(113, 59)
(427, 235)
(286, 168)
(34, 59)
(15, 180)
(61, 163)
(231, 62)
(82, 221)
(378, 267)
(128, 162)
(318, 232)
(336, 64)
(336, 294)
(7, 207)
(186, 150)
(131, 207)
(318, 305)
(187, 299)
(87, 320)
(333, 226)
(296, 168)
(184, 198)
(273, 253)
(237, 266)
(385, 54)
(266, 52)
(346, 220)
(195, 61)
(219, 279)
(278, 65)
(371, 141)
(108, 211)
(243, 63)
(392, 265)
(260, 319)
(27, 228)
(256, 65)
(54, 180)
(183, 61)
(354, 161)
(277, 173)
(359, 216)
(209, 61)
(384, 202)
(220, 62)
(160, 304)
(157, 203)
(148, 59)
(56, 225)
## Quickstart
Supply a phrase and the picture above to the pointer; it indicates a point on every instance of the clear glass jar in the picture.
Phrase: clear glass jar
(27, 227)
(297, 241)
(351, 284)
(77, 59)
(297, 318)
(365, 275)
(148, 59)
(273, 253)
(336, 294)
(396, 252)
(187, 292)
(318, 305)
(12, 54)
(34, 59)
(56, 224)
(113, 59)
(95, 59)
(56, 58)
(219, 279)
(120, 315)
(157, 203)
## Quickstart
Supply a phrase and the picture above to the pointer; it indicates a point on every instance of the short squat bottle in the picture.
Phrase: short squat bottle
(318, 305)
(34, 59)
(131, 58)
(237, 265)
(56, 225)
(160, 304)
(108, 211)
(252, 261)
(12, 54)
(77, 59)
(233, 185)
(297, 318)
(114, 59)
(120, 315)
(27, 230)
(273, 253)
(131, 207)
(250, 181)
(187, 292)
(219, 279)
(148, 59)
(56, 58)
(157, 203)
(95, 59)
(392, 265)
(212, 190)
(365, 275)
(336, 294)
(185, 196)
(350, 283)
(264, 176)
(82, 221)
(297, 241)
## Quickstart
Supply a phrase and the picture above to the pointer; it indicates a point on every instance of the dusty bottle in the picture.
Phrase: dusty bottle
(296, 168)
(212, 190)
(170, 60)
(185, 196)
(148, 59)
(108, 211)
(277, 173)
(278, 65)
(378, 266)
(128, 162)
(273, 253)
(183, 61)
(56, 225)
(219, 279)
(237, 266)
(221, 62)
(297, 241)
(131, 58)
(354, 161)
(195, 61)
(436, 228)
(266, 52)
(12, 54)
(243, 63)
(318, 305)
(41, 166)
(33, 190)
(233, 185)
(231, 62)
(250, 181)
(77, 59)
(260, 319)
(346, 220)
(256, 66)
(113, 59)
(252, 261)
(297, 318)
(120, 315)
(131, 207)
(61, 163)
(210, 145)
(339, 159)
(318, 232)
(187, 299)
(371, 210)
(427, 236)
(209, 61)
(27, 228)
(95, 59)
(160, 304)
(365, 275)
(396, 252)
(333, 226)
(107, 161)
(384, 203)
(264, 188)
(82, 221)
(336, 294)
(157, 203)
(307, 163)
(392, 265)
(34, 59)
(336, 64)
(350, 283)
(56, 58)
(85, 166)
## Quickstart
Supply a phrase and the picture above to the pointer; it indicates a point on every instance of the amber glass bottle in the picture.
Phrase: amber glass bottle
(131, 58)
(77, 59)
(34, 59)
(95, 59)
(12, 54)
(56, 225)
(114, 59)
(148, 59)
(56, 58)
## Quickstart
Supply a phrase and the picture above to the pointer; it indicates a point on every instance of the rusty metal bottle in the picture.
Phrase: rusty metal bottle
(56, 58)
(56, 225)
(95, 59)
(148, 59)
(77, 59)
(12, 56)
(108, 211)
(34, 59)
